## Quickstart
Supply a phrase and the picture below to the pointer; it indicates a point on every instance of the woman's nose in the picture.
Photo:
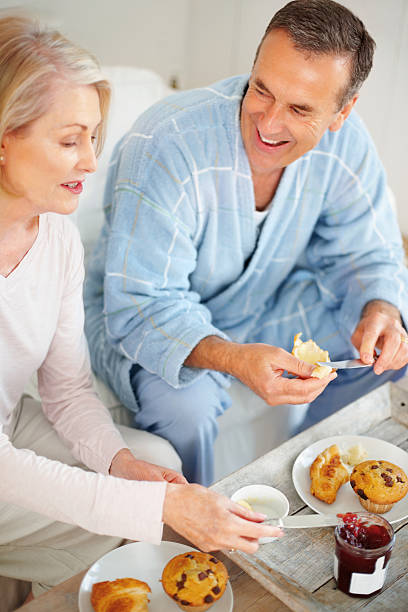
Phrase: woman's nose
(88, 160)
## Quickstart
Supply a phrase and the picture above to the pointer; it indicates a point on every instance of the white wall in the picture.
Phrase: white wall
(200, 41)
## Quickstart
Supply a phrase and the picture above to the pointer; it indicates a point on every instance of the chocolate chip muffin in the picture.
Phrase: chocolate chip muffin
(379, 485)
(194, 580)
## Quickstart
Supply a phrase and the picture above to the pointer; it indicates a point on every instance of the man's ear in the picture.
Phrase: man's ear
(342, 115)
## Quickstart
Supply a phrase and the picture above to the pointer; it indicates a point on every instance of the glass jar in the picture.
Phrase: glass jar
(363, 548)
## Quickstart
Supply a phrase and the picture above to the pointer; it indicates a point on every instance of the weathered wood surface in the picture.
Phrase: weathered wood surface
(249, 596)
(299, 568)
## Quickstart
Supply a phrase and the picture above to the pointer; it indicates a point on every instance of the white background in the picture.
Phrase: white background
(201, 41)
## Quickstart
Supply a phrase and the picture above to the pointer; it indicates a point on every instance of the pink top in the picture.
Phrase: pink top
(41, 329)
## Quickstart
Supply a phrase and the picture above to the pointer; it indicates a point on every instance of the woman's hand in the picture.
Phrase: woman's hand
(211, 521)
(125, 465)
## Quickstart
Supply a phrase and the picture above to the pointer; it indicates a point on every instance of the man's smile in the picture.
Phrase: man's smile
(271, 143)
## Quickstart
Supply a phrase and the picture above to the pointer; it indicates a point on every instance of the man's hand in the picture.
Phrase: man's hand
(125, 465)
(212, 521)
(260, 367)
(380, 326)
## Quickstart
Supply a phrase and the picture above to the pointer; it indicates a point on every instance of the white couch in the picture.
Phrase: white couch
(249, 428)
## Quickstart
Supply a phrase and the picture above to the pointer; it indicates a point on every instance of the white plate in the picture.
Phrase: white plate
(347, 500)
(145, 562)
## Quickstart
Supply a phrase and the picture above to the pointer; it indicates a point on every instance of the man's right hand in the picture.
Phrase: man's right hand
(261, 368)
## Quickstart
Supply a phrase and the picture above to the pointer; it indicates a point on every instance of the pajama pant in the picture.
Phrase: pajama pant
(187, 416)
(33, 547)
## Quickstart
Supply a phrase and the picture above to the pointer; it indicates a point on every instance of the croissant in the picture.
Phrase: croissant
(328, 474)
(121, 595)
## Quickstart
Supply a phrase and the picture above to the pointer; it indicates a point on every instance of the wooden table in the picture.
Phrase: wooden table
(259, 584)
(299, 568)
(249, 595)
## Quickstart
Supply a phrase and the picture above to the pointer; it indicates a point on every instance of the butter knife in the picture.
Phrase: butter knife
(347, 363)
(350, 363)
(304, 521)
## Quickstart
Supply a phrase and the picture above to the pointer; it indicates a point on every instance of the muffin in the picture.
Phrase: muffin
(194, 580)
(121, 595)
(379, 485)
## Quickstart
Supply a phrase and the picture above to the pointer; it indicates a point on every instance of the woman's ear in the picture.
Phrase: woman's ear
(2, 154)
(3, 148)
(342, 115)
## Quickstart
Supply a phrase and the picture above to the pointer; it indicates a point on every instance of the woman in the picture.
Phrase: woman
(53, 107)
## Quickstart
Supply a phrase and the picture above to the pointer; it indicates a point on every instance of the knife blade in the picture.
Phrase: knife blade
(304, 521)
(347, 363)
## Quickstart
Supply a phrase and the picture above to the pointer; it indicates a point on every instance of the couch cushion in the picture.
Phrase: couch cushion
(133, 91)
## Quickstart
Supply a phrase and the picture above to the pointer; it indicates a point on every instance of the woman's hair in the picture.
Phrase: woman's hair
(325, 26)
(33, 60)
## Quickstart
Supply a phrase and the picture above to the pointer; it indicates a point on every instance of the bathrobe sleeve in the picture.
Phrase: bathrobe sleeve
(153, 316)
(356, 248)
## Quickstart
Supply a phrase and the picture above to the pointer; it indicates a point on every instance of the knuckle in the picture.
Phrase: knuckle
(252, 547)
(304, 367)
(278, 352)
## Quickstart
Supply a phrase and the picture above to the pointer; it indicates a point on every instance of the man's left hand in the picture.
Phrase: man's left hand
(380, 326)
(125, 465)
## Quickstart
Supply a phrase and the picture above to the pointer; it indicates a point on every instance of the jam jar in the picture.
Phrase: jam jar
(363, 548)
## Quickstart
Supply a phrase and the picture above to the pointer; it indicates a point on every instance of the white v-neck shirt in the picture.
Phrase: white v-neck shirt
(41, 329)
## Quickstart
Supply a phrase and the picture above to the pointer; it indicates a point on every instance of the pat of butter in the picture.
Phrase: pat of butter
(355, 455)
(244, 504)
(264, 506)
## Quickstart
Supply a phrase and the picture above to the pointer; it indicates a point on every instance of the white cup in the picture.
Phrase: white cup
(265, 499)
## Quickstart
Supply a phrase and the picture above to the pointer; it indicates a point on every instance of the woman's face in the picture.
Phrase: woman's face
(46, 163)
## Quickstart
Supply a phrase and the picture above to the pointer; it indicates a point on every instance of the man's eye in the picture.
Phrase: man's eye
(298, 112)
(261, 92)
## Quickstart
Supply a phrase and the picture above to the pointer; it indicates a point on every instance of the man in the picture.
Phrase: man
(238, 215)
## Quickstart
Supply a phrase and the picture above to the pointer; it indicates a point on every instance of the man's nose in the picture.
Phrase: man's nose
(273, 118)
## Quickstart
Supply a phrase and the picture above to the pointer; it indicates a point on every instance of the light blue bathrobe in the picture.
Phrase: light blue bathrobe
(180, 257)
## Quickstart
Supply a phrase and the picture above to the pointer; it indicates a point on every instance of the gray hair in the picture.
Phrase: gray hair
(33, 59)
(327, 27)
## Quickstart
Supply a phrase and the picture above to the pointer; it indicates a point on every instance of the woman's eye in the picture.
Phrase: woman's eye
(68, 144)
(297, 111)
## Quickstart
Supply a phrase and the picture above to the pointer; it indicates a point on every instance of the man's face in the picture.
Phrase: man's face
(292, 99)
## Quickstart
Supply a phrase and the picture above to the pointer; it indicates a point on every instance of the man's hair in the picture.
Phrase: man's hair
(326, 27)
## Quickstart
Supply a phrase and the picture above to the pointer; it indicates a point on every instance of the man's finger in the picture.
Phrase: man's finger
(302, 391)
(400, 359)
(368, 343)
(295, 366)
(391, 345)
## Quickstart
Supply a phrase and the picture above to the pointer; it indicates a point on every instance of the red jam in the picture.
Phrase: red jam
(363, 548)
(358, 533)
